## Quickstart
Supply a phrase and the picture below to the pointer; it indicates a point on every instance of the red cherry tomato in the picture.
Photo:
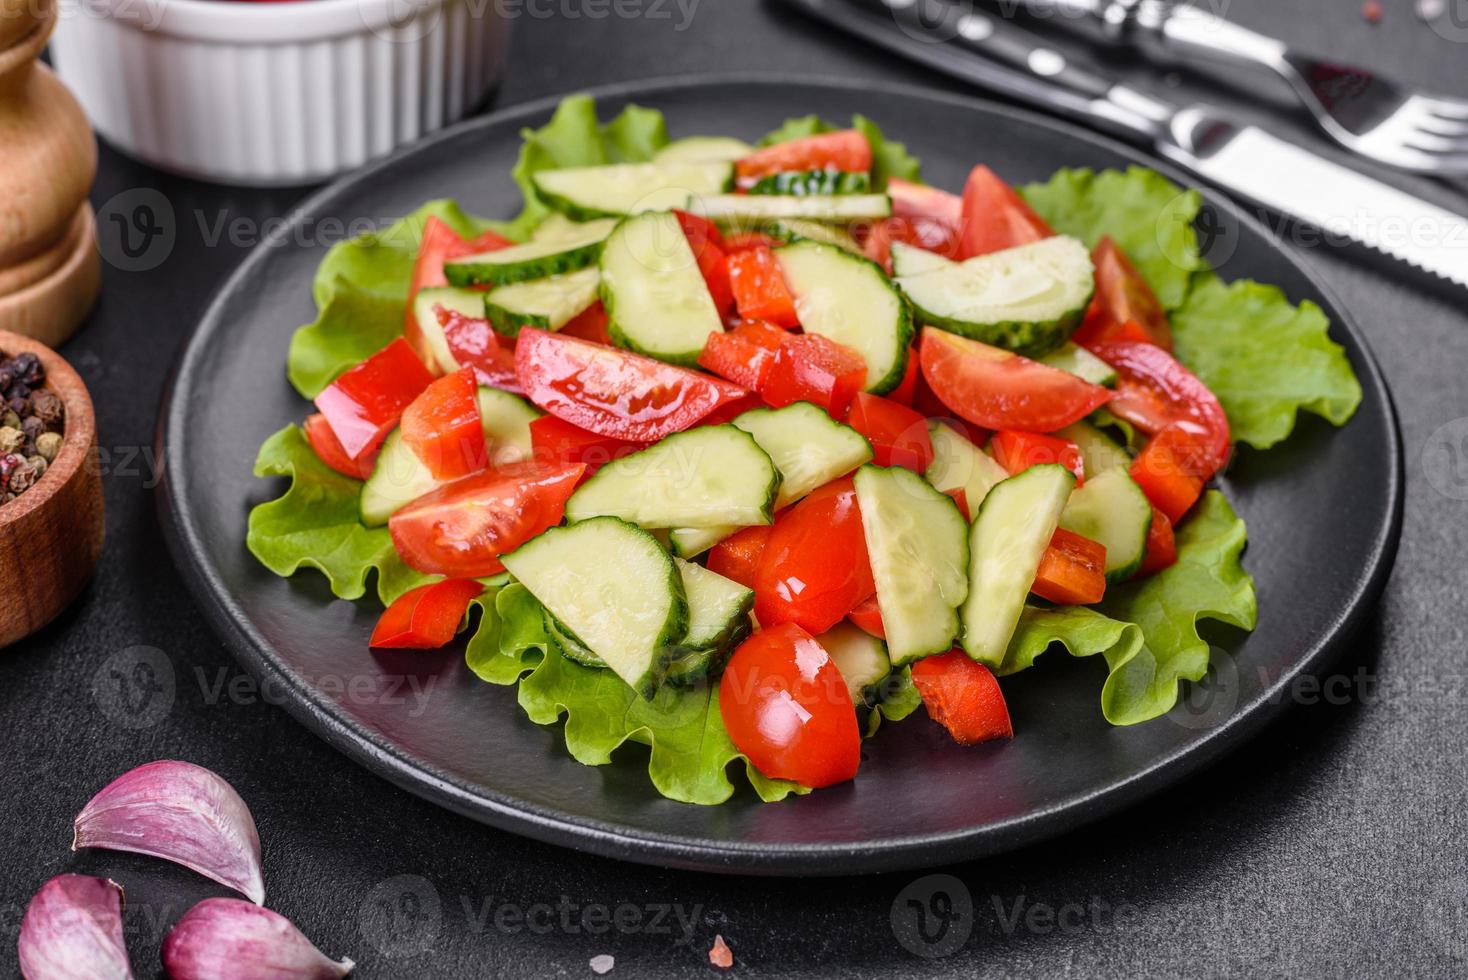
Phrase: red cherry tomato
(1124, 296)
(814, 569)
(1161, 545)
(613, 392)
(811, 368)
(1155, 391)
(867, 616)
(590, 324)
(364, 404)
(963, 696)
(846, 150)
(787, 708)
(995, 217)
(737, 557)
(743, 355)
(329, 449)
(759, 288)
(1018, 451)
(998, 389)
(1171, 470)
(462, 528)
(438, 244)
(558, 441)
(443, 428)
(1072, 570)
(899, 436)
(427, 617)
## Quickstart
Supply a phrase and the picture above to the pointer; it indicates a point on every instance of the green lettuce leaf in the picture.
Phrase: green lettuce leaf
(889, 158)
(689, 748)
(353, 324)
(899, 698)
(1265, 359)
(315, 525)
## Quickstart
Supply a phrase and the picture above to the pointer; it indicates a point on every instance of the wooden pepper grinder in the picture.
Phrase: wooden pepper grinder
(49, 266)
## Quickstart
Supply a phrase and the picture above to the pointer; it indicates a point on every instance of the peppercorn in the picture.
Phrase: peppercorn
(28, 368)
(46, 406)
(39, 464)
(9, 420)
(16, 405)
(48, 444)
(8, 463)
(19, 390)
(11, 439)
(22, 476)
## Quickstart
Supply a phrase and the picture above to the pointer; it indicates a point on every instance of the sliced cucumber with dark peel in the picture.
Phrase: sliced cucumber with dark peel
(614, 190)
(814, 183)
(1112, 510)
(549, 304)
(849, 299)
(1099, 452)
(569, 644)
(465, 302)
(795, 229)
(1075, 359)
(1010, 534)
(958, 463)
(718, 620)
(1026, 299)
(703, 149)
(747, 212)
(861, 658)
(506, 418)
(703, 477)
(615, 589)
(656, 299)
(535, 259)
(918, 545)
(909, 260)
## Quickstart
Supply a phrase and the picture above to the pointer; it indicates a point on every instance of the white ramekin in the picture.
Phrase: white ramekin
(275, 93)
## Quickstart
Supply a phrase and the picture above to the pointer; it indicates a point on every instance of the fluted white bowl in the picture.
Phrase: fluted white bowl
(275, 93)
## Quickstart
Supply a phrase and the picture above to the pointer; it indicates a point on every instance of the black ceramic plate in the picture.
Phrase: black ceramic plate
(1323, 513)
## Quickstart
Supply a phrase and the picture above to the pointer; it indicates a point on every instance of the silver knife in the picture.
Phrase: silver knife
(1272, 172)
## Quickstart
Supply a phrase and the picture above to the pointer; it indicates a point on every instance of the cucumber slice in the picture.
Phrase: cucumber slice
(814, 183)
(656, 300)
(918, 544)
(861, 658)
(556, 227)
(549, 304)
(615, 588)
(569, 644)
(749, 211)
(1099, 452)
(1026, 299)
(1075, 359)
(619, 189)
(808, 447)
(704, 477)
(850, 300)
(1112, 510)
(790, 230)
(466, 302)
(506, 419)
(1010, 534)
(958, 463)
(909, 260)
(533, 260)
(703, 149)
(718, 621)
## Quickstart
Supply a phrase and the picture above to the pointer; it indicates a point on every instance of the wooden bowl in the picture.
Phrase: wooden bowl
(51, 535)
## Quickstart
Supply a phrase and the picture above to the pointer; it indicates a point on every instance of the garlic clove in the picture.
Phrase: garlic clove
(227, 939)
(182, 813)
(72, 930)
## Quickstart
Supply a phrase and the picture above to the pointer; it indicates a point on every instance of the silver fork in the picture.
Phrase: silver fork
(1365, 113)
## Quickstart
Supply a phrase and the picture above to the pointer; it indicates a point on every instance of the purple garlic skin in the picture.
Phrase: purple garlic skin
(227, 939)
(72, 930)
(182, 813)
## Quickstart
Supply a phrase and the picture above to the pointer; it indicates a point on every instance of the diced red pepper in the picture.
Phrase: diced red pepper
(438, 244)
(698, 229)
(809, 367)
(708, 248)
(846, 150)
(960, 497)
(995, 217)
(555, 440)
(443, 428)
(749, 239)
(759, 288)
(1018, 451)
(1171, 470)
(963, 696)
(329, 449)
(427, 617)
(1161, 545)
(1072, 570)
(899, 436)
(737, 557)
(743, 355)
(591, 324)
(907, 388)
(867, 617)
(364, 404)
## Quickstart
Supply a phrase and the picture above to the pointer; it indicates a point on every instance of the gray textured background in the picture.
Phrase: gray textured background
(1332, 844)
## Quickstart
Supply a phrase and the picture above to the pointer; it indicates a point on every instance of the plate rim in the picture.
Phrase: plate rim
(501, 810)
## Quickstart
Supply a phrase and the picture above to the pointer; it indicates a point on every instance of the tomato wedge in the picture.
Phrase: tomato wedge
(555, 440)
(613, 392)
(443, 428)
(995, 217)
(329, 449)
(364, 403)
(1072, 570)
(910, 200)
(1018, 451)
(438, 244)
(1124, 296)
(749, 239)
(737, 557)
(998, 389)
(899, 436)
(811, 368)
(960, 498)
(924, 233)
(814, 569)
(787, 708)
(473, 343)
(844, 150)
(1155, 391)
(708, 249)
(743, 355)
(461, 529)
(1161, 545)
(1171, 470)
(963, 696)
(427, 617)
(759, 288)
(867, 616)
(906, 389)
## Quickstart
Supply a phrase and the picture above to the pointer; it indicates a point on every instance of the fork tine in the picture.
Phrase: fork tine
(1445, 108)
(1438, 146)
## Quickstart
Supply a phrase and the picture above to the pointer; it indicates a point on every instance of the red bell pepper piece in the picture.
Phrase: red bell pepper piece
(814, 569)
(743, 355)
(558, 441)
(749, 239)
(1072, 570)
(737, 557)
(591, 324)
(707, 244)
(1171, 470)
(438, 244)
(867, 616)
(963, 696)
(329, 449)
(427, 617)
(443, 428)
(759, 288)
(960, 497)
(899, 436)
(1018, 451)
(364, 404)
(1161, 545)
(907, 388)
(995, 217)
(811, 368)
(846, 150)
